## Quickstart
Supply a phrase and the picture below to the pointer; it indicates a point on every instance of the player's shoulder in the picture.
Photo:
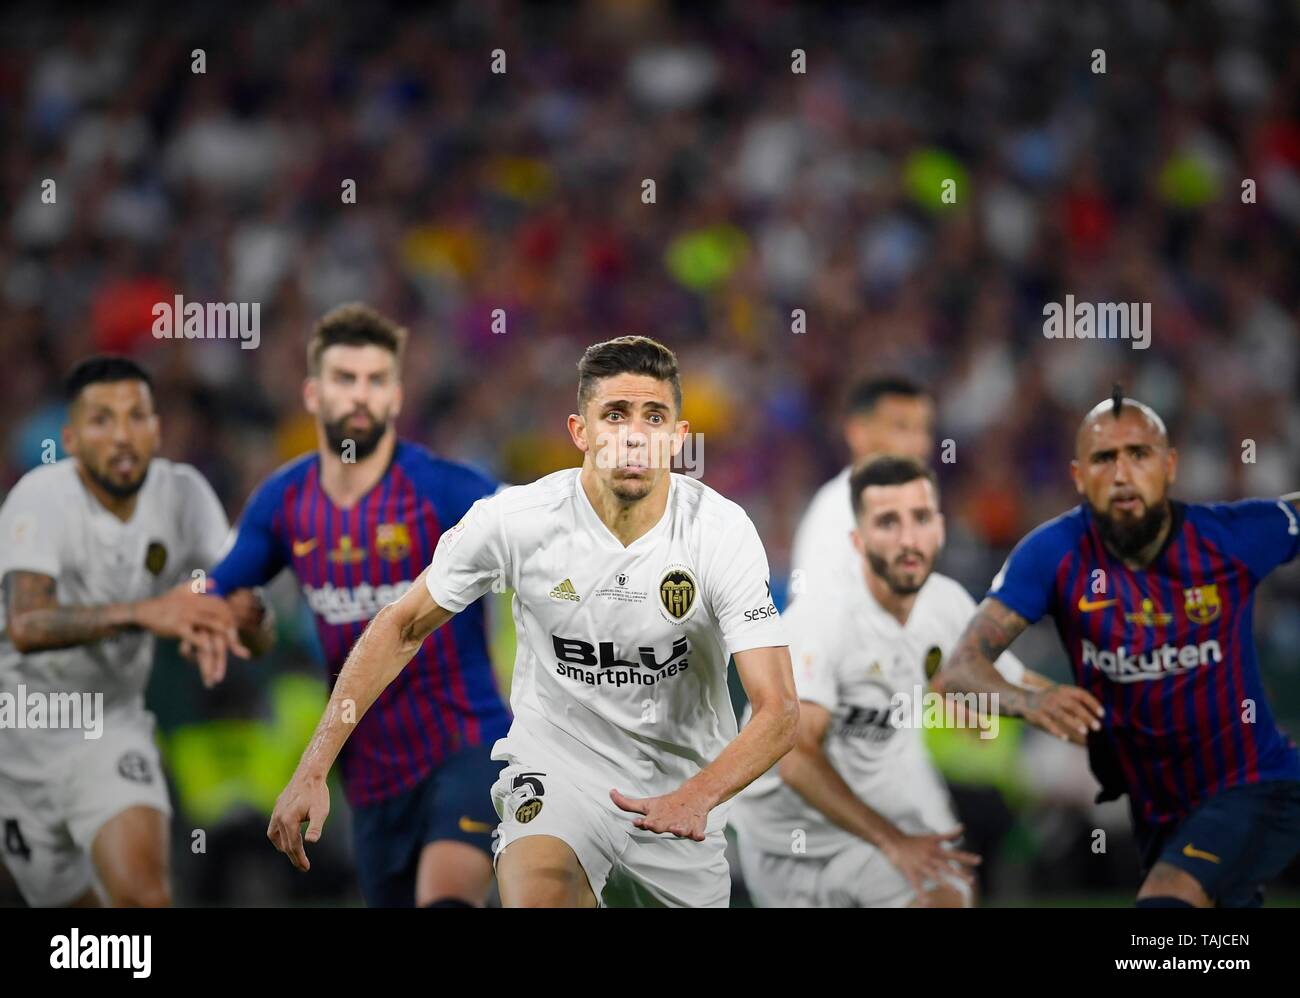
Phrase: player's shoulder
(176, 477)
(271, 492)
(54, 480)
(698, 502)
(1058, 536)
(944, 593)
(441, 474)
(549, 493)
(833, 493)
(1228, 515)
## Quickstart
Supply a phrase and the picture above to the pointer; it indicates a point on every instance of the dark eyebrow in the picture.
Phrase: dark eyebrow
(625, 404)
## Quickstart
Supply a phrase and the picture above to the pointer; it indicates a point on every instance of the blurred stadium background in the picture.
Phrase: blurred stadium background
(775, 191)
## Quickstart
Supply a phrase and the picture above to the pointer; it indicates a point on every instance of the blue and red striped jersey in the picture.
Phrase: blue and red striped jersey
(1168, 650)
(350, 563)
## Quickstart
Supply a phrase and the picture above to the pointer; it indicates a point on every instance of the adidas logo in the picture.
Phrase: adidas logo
(565, 590)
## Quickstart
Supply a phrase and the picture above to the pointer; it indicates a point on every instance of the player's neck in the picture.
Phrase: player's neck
(122, 508)
(346, 482)
(897, 605)
(626, 520)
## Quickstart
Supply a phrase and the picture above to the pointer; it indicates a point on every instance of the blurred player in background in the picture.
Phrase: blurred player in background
(856, 815)
(886, 415)
(633, 586)
(1153, 600)
(96, 552)
(356, 521)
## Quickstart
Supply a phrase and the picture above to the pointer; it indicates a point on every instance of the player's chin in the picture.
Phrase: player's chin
(632, 483)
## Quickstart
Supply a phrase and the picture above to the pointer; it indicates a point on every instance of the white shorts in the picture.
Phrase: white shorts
(857, 876)
(626, 866)
(47, 827)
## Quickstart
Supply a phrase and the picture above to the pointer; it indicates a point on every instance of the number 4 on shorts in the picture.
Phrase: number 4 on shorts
(15, 844)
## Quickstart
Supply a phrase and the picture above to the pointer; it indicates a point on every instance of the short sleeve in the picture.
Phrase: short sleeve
(31, 528)
(740, 590)
(470, 557)
(1264, 533)
(812, 655)
(204, 527)
(1027, 581)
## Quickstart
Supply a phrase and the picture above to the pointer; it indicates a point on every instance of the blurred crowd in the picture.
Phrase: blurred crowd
(796, 236)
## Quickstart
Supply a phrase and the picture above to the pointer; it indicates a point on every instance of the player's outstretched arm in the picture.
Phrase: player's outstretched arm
(769, 683)
(1065, 711)
(36, 621)
(390, 641)
(810, 774)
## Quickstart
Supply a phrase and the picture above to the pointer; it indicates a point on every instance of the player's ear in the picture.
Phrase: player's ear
(943, 529)
(69, 438)
(311, 394)
(682, 428)
(1077, 476)
(1172, 460)
(578, 431)
(858, 544)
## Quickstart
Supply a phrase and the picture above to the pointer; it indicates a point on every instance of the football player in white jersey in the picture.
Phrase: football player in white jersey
(856, 815)
(633, 587)
(96, 552)
(886, 415)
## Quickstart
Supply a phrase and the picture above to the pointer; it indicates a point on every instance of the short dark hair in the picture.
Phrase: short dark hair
(627, 355)
(354, 325)
(886, 469)
(102, 369)
(865, 394)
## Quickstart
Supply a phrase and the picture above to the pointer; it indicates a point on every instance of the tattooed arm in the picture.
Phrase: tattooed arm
(37, 622)
(1065, 711)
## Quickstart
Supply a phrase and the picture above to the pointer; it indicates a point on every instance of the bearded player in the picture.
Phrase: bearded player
(633, 587)
(96, 553)
(1153, 600)
(856, 814)
(355, 522)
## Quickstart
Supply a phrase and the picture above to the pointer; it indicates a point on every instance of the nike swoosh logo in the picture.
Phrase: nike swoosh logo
(470, 826)
(301, 548)
(1191, 852)
(1087, 606)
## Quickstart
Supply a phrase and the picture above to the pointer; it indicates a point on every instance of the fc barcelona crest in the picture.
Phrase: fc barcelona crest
(1201, 604)
(155, 557)
(392, 541)
(677, 591)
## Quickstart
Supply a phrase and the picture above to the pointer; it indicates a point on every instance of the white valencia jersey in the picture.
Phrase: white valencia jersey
(50, 524)
(620, 676)
(853, 658)
(823, 560)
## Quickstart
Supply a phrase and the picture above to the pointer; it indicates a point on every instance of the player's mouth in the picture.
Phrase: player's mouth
(911, 562)
(123, 464)
(1127, 504)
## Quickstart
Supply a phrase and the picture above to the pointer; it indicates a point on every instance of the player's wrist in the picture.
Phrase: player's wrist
(135, 616)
